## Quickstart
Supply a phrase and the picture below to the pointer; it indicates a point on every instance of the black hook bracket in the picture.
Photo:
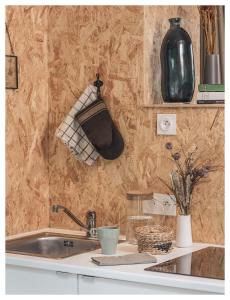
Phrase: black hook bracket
(98, 83)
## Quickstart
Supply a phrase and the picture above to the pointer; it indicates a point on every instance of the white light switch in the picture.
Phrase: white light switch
(166, 124)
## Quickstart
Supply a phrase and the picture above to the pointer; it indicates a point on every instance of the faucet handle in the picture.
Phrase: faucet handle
(91, 214)
(91, 223)
(91, 219)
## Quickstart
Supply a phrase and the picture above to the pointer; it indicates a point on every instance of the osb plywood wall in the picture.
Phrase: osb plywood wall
(27, 122)
(108, 40)
(111, 39)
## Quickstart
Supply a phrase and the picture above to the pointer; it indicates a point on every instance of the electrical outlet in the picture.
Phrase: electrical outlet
(161, 204)
(166, 124)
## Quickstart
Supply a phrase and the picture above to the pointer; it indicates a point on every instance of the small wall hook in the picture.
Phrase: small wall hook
(98, 83)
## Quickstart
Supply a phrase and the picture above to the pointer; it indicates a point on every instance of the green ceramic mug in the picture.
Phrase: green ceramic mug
(108, 237)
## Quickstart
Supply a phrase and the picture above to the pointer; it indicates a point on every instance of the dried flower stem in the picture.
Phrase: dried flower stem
(208, 21)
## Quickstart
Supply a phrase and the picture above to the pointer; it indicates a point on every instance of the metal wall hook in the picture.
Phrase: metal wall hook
(98, 83)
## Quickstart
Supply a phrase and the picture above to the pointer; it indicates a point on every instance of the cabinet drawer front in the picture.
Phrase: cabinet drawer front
(22, 280)
(96, 285)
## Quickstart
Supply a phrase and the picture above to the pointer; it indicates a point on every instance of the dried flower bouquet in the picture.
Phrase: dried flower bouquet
(188, 174)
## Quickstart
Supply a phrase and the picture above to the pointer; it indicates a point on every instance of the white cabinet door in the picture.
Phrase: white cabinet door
(23, 280)
(95, 285)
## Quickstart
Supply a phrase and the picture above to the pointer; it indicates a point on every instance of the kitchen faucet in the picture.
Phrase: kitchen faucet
(90, 226)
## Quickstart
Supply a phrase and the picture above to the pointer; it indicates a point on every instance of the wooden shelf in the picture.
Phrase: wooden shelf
(183, 105)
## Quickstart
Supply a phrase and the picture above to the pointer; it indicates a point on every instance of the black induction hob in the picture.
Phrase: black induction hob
(207, 262)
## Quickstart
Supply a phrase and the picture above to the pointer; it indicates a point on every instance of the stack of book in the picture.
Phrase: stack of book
(210, 94)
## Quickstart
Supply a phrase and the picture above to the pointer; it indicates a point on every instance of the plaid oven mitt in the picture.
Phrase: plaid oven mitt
(71, 133)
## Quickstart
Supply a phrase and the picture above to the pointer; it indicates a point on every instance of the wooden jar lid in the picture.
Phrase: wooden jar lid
(140, 195)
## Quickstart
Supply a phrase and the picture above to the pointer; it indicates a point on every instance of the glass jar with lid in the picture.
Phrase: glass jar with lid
(136, 215)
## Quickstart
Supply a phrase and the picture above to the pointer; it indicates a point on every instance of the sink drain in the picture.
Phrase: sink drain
(68, 243)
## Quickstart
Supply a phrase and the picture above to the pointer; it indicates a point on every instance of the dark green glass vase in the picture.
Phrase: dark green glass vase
(177, 64)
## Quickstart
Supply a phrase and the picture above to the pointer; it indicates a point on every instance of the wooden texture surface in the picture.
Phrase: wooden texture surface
(111, 40)
(108, 40)
(27, 122)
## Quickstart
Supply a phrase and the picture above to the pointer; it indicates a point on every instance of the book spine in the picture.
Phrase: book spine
(211, 87)
(210, 96)
(210, 101)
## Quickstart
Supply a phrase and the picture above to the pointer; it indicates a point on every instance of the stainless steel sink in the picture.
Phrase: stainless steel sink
(51, 245)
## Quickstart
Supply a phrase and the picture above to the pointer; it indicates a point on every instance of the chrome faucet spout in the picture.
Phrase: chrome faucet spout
(90, 226)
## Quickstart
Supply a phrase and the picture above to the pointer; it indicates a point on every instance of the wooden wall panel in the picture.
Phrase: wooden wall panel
(108, 39)
(80, 40)
(27, 122)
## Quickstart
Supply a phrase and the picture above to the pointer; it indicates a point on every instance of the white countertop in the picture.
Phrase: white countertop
(82, 264)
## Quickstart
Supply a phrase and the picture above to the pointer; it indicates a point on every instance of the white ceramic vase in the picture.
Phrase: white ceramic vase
(183, 231)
